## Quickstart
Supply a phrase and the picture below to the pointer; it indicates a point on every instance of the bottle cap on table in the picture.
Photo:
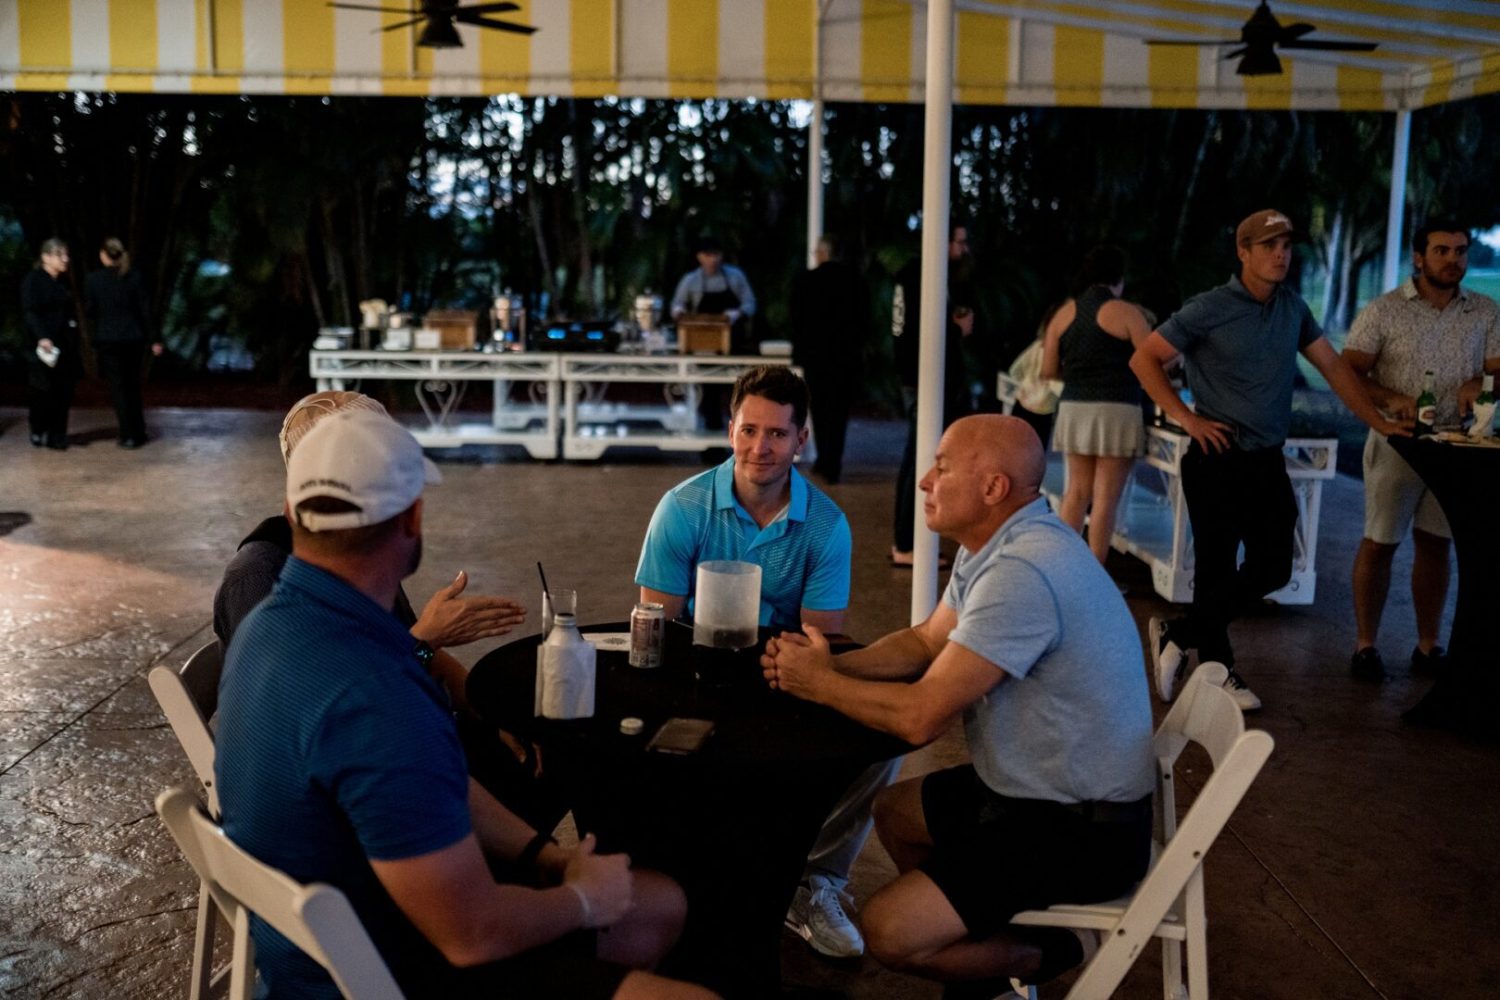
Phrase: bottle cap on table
(631, 726)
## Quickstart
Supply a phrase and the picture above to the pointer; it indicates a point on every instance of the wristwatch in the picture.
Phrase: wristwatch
(424, 653)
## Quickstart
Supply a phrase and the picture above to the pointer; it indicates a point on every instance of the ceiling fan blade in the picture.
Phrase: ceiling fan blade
(1331, 46)
(1191, 41)
(385, 10)
(1237, 52)
(1291, 31)
(403, 24)
(484, 22)
(488, 8)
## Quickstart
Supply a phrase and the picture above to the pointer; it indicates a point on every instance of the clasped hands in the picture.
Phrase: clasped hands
(796, 662)
(450, 619)
(604, 882)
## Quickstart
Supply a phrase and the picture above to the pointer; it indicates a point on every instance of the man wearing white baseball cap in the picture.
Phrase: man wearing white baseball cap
(338, 762)
(1239, 343)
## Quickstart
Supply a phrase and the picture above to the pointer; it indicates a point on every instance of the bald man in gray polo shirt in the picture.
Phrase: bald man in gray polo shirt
(1033, 648)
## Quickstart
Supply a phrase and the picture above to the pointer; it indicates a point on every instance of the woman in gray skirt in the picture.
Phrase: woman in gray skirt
(1099, 428)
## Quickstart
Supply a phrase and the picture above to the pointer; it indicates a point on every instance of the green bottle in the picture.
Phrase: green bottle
(1427, 407)
(1486, 391)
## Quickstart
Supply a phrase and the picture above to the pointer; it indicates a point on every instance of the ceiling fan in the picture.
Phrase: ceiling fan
(441, 15)
(1259, 39)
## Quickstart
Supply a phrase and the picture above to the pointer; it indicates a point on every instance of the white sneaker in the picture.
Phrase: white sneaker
(1240, 692)
(1167, 659)
(817, 915)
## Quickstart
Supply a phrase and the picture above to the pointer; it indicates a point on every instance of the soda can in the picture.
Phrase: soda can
(647, 625)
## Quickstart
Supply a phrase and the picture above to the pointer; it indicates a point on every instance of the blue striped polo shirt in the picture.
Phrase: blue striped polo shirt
(803, 555)
(334, 748)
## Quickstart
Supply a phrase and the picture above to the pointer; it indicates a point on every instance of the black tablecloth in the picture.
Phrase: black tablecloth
(1466, 481)
(732, 823)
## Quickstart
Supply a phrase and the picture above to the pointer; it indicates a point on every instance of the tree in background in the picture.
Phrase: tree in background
(314, 203)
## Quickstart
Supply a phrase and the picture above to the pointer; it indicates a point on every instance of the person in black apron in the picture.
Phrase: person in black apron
(717, 288)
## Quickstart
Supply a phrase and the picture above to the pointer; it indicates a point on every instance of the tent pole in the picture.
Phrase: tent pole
(936, 165)
(815, 144)
(814, 182)
(1393, 218)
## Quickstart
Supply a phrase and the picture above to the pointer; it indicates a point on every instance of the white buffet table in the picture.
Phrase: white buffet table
(1153, 519)
(440, 378)
(567, 413)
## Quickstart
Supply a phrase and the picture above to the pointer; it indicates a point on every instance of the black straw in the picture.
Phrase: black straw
(544, 579)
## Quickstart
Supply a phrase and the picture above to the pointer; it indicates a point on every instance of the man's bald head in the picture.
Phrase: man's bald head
(997, 443)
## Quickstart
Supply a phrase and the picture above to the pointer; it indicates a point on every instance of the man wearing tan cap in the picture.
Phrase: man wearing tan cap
(1239, 343)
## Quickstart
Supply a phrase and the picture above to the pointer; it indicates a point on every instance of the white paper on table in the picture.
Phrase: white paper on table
(610, 642)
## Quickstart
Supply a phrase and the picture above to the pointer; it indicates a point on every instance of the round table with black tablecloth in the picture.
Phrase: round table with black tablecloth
(1466, 480)
(732, 823)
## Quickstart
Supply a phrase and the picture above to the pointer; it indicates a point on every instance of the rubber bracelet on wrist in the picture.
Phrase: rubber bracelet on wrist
(583, 901)
(528, 856)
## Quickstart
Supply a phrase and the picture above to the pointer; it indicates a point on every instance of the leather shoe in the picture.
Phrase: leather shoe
(1366, 665)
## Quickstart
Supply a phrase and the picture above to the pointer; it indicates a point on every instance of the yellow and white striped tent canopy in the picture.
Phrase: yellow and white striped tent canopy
(1024, 52)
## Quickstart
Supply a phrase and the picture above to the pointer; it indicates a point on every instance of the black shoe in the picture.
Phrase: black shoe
(1433, 664)
(37, 440)
(57, 445)
(1366, 665)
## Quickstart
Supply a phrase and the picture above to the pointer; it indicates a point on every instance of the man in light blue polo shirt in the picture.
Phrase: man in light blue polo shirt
(757, 508)
(1035, 650)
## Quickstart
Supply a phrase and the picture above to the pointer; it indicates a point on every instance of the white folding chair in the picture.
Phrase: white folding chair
(189, 697)
(1168, 903)
(316, 918)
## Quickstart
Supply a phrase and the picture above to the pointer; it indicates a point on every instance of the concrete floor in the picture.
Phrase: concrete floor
(1362, 864)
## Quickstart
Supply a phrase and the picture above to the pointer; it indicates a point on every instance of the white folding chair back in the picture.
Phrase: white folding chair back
(189, 697)
(316, 918)
(1168, 903)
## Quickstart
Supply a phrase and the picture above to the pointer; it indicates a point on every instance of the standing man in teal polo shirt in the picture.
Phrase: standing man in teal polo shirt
(1239, 343)
(757, 508)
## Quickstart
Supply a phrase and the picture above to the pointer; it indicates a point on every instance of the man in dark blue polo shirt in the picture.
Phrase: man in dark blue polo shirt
(338, 762)
(1239, 343)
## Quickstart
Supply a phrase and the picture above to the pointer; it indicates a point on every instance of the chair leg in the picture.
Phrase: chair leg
(242, 964)
(1171, 969)
(203, 947)
(1196, 919)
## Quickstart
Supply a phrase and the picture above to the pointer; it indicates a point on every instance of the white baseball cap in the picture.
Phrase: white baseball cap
(363, 458)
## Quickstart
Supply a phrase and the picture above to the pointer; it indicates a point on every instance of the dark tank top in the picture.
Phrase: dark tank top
(1095, 367)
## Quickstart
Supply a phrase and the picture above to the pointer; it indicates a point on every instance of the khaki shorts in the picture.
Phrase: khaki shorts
(1396, 498)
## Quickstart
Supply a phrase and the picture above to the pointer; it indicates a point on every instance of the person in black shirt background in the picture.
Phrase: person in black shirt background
(115, 302)
(52, 326)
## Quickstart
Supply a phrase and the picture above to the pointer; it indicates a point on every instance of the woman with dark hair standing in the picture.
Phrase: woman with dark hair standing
(56, 364)
(1099, 428)
(116, 307)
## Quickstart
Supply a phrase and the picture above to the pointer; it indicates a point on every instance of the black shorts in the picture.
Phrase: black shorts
(568, 967)
(994, 856)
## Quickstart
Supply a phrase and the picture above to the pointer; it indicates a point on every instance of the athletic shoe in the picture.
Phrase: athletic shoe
(1433, 664)
(1366, 665)
(1167, 658)
(817, 916)
(1240, 692)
